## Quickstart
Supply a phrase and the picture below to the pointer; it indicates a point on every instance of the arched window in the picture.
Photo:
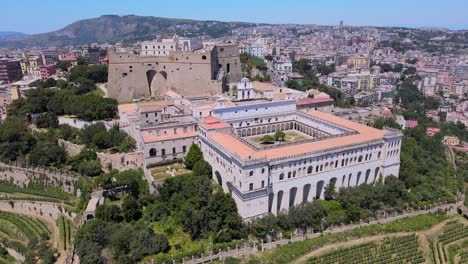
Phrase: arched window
(152, 152)
(251, 173)
(360, 159)
(203, 57)
(309, 170)
(281, 176)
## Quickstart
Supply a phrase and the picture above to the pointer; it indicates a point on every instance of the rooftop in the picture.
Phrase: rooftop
(150, 139)
(212, 122)
(264, 86)
(153, 106)
(237, 147)
(307, 101)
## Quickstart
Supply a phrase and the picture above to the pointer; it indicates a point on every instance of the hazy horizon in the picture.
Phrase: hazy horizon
(54, 14)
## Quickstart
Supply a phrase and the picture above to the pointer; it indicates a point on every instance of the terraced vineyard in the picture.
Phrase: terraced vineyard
(464, 256)
(453, 234)
(17, 230)
(65, 230)
(404, 249)
(12, 192)
(41, 216)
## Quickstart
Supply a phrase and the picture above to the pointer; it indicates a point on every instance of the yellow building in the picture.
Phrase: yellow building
(358, 62)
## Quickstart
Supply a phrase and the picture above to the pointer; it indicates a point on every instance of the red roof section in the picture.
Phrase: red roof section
(306, 101)
(151, 139)
(411, 123)
(69, 57)
(212, 122)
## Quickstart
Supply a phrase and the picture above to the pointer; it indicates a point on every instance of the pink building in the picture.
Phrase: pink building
(47, 71)
(411, 123)
(431, 131)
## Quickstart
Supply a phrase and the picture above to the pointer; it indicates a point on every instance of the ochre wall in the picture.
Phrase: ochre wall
(189, 74)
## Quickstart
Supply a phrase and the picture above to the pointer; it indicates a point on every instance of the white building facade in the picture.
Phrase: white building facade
(271, 178)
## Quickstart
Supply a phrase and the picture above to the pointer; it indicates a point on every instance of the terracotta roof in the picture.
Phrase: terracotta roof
(264, 86)
(232, 144)
(212, 122)
(306, 101)
(153, 106)
(127, 108)
(151, 139)
(411, 123)
(70, 57)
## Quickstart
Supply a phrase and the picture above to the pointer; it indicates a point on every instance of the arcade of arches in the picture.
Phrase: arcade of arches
(280, 126)
(284, 199)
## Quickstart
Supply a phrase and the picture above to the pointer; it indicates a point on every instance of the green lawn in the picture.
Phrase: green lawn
(160, 173)
(181, 172)
(160, 176)
(159, 169)
(177, 167)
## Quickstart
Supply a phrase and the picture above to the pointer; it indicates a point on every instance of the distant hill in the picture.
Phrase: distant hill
(131, 28)
(12, 36)
(11, 33)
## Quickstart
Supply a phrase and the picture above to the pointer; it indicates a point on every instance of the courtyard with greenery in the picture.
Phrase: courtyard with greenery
(278, 138)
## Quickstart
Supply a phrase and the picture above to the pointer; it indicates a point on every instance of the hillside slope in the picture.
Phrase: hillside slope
(131, 28)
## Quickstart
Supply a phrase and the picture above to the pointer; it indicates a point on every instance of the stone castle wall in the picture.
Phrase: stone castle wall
(26, 176)
(190, 74)
(45, 209)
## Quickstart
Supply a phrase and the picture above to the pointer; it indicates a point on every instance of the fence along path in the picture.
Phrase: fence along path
(246, 250)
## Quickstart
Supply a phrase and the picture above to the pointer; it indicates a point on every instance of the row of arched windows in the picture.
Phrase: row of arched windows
(326, 166)
(308, 192)
(393, 153)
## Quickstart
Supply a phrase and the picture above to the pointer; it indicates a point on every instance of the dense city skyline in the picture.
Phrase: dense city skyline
(53, 15)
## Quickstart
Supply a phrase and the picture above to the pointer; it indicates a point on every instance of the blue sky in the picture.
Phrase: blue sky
(37, 16)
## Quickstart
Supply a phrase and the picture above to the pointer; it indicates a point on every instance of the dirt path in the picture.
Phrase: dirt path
(422, 238)
(457, 258)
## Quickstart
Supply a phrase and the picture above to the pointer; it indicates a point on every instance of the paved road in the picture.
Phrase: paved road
(247, 250)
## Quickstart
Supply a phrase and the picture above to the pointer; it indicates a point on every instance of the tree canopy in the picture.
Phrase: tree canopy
(193, 156)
